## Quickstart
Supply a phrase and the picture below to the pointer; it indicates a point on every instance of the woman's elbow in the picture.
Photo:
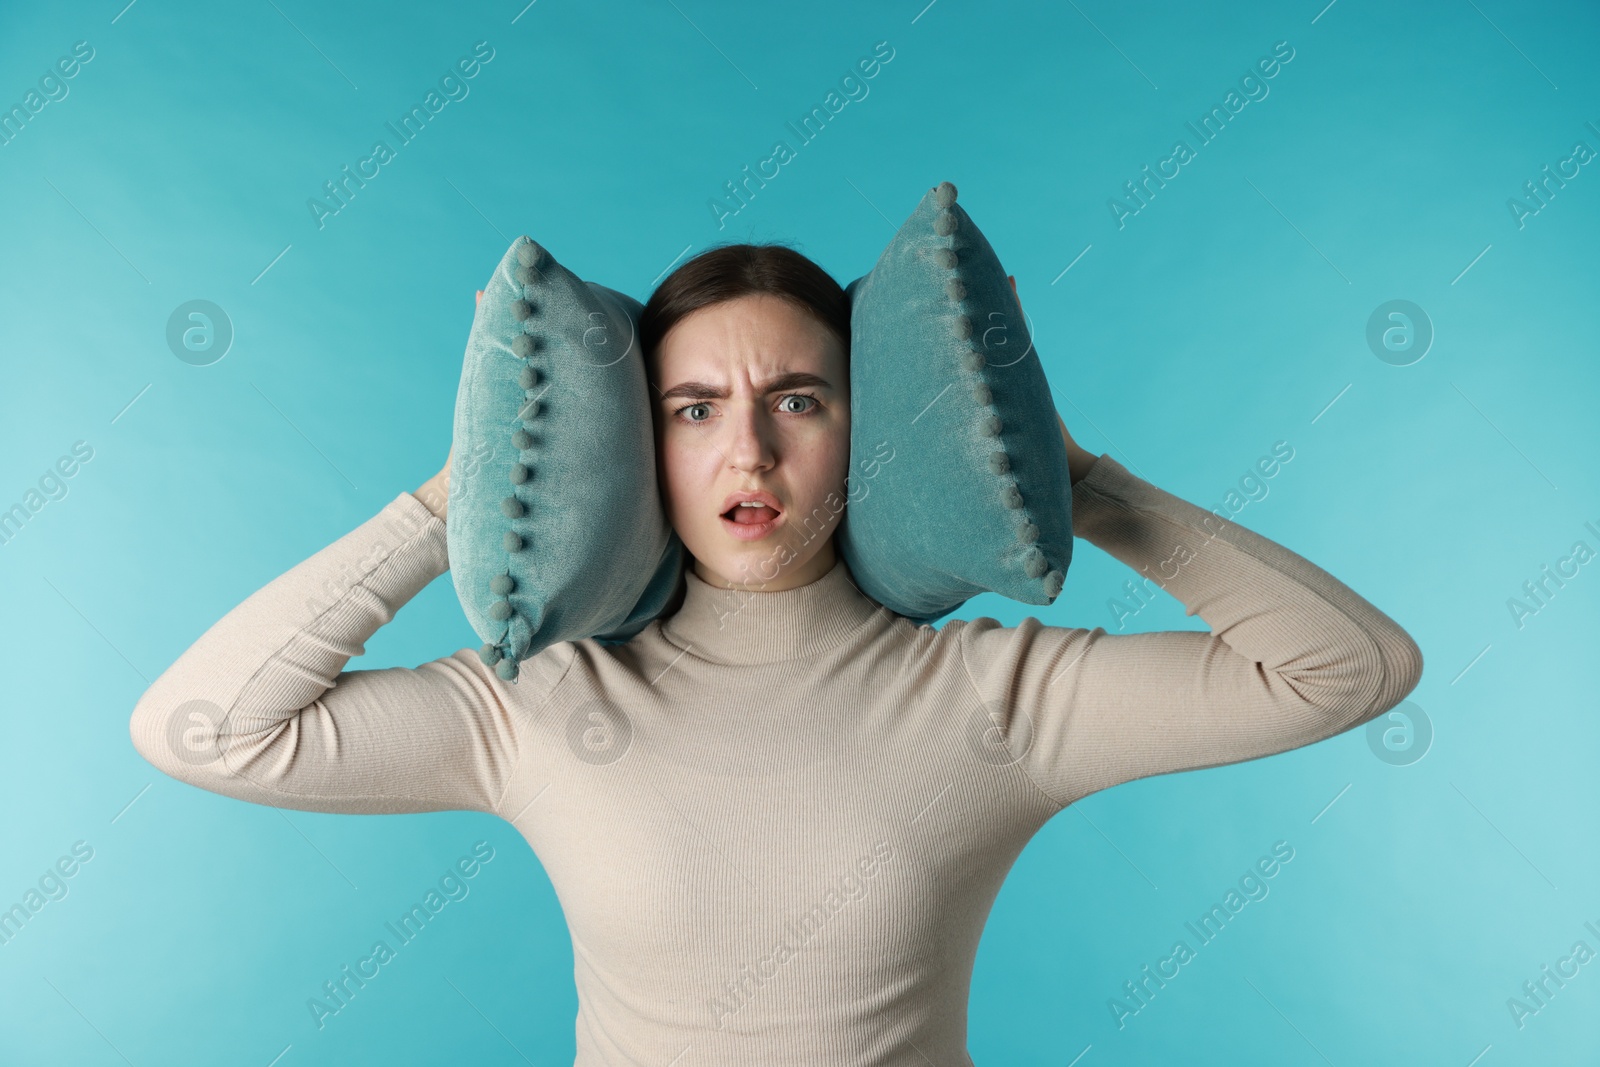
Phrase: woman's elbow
(1405, 668)
(1398, 669)
(1356, 678)
(147, 730)
(177, 739)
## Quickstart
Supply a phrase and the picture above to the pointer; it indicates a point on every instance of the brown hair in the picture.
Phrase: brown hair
(727, 272)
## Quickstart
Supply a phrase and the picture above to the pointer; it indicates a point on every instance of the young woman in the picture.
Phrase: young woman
(778, 817)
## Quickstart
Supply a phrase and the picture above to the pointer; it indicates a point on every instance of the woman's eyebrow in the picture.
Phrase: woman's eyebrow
(702, 391)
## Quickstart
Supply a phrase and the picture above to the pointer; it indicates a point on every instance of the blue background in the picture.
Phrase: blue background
(1229, 313)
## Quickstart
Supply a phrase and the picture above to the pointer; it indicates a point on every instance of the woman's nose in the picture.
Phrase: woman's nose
(751, 447)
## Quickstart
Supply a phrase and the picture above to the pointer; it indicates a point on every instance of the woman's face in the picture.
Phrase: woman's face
(752, 396)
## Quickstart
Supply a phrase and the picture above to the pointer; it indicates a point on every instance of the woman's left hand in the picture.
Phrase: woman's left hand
(1079, 459)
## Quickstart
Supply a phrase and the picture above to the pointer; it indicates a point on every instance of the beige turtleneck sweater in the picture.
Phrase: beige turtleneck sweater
(776, 822)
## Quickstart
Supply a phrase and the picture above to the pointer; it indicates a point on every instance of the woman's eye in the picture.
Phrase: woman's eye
(799, 404)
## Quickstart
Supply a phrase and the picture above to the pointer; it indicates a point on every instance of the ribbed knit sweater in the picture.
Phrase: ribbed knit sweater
(776, 821)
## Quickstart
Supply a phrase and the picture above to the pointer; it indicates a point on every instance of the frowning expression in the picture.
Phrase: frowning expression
(752, 404)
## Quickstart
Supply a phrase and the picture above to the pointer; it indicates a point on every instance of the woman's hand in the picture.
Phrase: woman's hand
(1079, 460)
(435, 492)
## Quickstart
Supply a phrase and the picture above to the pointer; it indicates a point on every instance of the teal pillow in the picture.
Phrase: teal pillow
(944, 380)
(556, 531)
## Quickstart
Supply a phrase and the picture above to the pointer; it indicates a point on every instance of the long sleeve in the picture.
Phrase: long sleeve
(1294, 655)
(258, 708)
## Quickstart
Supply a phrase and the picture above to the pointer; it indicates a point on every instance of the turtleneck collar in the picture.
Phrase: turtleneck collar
(737, 626)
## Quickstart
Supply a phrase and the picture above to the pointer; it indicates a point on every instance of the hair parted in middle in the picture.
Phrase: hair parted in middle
(727, 272)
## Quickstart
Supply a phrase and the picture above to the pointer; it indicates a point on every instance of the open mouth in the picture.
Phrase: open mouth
(751, 520)
(750, 514)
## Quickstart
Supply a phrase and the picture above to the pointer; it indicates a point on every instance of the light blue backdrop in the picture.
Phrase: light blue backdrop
(1228, 312)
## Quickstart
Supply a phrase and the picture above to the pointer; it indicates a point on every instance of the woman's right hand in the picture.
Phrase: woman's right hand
(435, 492)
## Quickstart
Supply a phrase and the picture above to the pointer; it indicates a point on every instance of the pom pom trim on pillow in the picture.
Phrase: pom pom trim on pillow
(933, 295)
(503, 655)
(1034, 562)
(544, 374)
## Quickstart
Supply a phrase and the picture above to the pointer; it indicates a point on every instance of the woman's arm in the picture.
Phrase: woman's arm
(1293, 656)
(258, 708)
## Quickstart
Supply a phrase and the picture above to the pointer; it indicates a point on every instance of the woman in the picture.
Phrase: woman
(778, 817)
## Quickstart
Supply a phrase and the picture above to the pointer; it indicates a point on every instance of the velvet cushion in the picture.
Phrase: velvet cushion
(944, 379)
(556, 530)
